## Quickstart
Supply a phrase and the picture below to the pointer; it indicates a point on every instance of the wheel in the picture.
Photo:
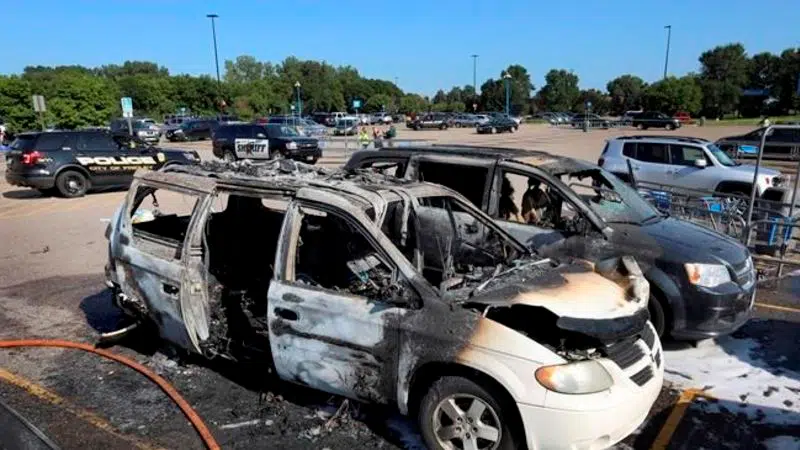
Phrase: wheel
(494, 130)
(71, 183)
(457, 413)
(443, 127)
(669, 127)
(512, 129)
(228, 156)
(644, 127)
(458, 125)
(657, 315)
(640, 126)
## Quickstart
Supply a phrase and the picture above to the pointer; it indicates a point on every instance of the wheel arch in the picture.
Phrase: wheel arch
(76, 168)
(729, 187)
(428, 373)
(668, 293)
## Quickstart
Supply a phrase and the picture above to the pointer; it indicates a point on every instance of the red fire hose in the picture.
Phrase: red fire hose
(173, 394)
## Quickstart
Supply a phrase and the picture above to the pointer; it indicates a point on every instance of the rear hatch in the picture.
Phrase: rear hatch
(22, 156)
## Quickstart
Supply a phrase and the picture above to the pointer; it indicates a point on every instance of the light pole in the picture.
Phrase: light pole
(299, 107)
(213, 17)
(475, 75)
(507, 79)
(666, 59)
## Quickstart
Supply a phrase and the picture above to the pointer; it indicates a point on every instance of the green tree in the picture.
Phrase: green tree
(413, 103)
(722, 77)
(439, 97)
(671, 95)
(787, 80)
(560, 91)
(626, 93)
(378, 102)
(762, 73)
(15, 103)
(82, 100)
(600, 101)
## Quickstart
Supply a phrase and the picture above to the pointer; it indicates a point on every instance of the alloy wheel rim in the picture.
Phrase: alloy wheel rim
(466, 422)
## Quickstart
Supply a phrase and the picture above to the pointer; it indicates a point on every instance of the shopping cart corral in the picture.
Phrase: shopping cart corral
(767, 223)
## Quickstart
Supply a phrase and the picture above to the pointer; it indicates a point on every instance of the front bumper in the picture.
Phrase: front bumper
(715, 312)
(598, 424)
(304, 154)
(31, 180)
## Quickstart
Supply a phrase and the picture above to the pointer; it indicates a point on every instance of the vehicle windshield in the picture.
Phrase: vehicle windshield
(285, 130)
(456, 247)
(721, 156)
(142, 125)
(610, 198)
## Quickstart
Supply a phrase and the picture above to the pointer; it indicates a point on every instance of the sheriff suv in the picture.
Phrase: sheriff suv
(683, 163)
(70, 163)
(388, 292)
(256, 141)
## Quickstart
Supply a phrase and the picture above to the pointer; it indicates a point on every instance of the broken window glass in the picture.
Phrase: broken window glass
(610, 198)
(162, 214)
(334, 254)
(469, 181)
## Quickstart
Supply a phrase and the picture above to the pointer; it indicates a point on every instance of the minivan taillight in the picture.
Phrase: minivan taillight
(31, 158)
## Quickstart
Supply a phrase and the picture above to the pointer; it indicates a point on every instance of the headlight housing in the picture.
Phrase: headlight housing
(291, 146)
(582, 377)
(707, 275)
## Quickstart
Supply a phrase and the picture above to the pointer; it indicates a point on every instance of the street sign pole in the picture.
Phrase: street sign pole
(39, 107)
(127, 112)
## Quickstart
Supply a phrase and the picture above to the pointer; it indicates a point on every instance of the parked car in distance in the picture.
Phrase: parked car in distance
(142, 127)
(380, 118)
(464, 120)
(683, 163)
(580, 119)
(346, 127)
(430, 120)
(781, 143)
(193, 130)
(683, 117)
(702, 283)
(337, 284)
(72, 163)
(497, 125)
(259, 142)
(654, 119)
(500, 115)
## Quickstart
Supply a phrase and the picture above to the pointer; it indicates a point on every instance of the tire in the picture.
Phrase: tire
(494, 130)
(71, 184)
(658, 316)
(228, 156)
(669, 127)
(458, 125)
(454, 396)
(512, 129)
(639, 126)
(644, 127)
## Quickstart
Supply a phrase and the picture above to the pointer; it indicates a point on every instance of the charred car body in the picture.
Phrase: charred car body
(390, 292)
(702, 282)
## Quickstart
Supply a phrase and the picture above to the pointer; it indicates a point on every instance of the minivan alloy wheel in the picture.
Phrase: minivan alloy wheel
(463, 421)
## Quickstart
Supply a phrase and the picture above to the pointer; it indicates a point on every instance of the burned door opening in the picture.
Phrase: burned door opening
(240, 241)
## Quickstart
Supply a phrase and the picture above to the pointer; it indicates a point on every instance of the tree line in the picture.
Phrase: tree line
(729, 82)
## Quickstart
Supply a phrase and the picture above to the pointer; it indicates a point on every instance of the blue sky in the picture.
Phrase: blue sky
(425, 44)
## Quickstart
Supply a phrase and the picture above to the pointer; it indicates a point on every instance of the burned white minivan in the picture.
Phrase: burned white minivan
(393, 292)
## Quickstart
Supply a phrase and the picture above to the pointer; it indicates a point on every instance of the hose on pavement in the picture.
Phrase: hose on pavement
(188, 411)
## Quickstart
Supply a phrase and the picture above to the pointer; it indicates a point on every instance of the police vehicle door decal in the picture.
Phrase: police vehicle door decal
(116, 163)
(251, 148)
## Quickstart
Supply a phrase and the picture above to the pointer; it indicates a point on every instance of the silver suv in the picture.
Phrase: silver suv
(682, 162)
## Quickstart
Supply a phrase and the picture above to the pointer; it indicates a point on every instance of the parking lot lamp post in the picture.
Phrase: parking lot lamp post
(298, 108)
(507, 79)
(475, 76)
(213, 17)
(666, 58)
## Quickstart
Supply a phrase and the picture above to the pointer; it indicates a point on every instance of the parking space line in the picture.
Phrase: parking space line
(58, 401)
(778, 307)
(671, 424)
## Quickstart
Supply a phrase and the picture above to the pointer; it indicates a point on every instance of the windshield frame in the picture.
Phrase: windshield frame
(722, 158)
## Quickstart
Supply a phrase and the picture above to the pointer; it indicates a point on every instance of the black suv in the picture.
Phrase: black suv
(702, 283)
(193, 130)
(653, 119)
(430, 120)
(70, 163)
(258, 141)
(781, 143)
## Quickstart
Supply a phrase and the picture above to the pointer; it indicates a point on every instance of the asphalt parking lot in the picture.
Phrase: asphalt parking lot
(740, 391)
